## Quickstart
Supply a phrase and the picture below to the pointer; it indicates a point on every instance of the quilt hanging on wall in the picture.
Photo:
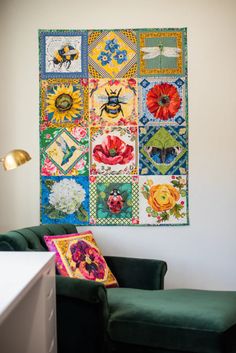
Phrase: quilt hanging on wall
(114, 126)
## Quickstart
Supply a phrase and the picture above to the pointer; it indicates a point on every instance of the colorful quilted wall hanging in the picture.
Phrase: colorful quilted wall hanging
(114, 126)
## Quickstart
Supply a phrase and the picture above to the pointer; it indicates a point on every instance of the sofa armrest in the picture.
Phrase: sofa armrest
(89, 291)
(138, 273)
(12, 241)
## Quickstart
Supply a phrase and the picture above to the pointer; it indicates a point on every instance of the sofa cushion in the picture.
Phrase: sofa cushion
(180, 319)
(78, 256)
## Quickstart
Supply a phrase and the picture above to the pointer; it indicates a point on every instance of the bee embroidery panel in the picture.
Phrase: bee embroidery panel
(113, 102)
(114, 127)
(63, 54)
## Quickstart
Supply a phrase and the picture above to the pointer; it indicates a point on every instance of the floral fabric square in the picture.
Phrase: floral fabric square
(64, 151)
(112, 54)
(162, 52)
(163, 200)
(113, 150)
(114, 200)
(63, 54)
(65, 200)
(162, 150)
(64, 102)
(78, 256)
(113, 102)
(162, 101)
(114, 126)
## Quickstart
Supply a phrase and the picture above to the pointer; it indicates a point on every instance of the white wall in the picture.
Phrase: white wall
(202, 255)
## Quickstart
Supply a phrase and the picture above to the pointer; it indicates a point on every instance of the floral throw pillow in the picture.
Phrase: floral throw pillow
(78, 256)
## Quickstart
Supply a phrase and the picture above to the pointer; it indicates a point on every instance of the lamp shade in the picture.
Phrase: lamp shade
(14, 159)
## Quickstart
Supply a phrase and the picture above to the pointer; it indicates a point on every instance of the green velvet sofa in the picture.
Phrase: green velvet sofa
(138, 316)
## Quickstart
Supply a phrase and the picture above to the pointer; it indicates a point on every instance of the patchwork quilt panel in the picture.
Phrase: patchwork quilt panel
(114, 126)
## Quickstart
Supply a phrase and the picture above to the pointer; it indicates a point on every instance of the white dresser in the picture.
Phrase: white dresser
(27, 302)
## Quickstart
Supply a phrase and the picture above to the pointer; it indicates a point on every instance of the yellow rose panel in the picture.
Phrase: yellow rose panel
(114, 126)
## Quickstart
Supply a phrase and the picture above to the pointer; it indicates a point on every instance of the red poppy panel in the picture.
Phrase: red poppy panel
(113, 150)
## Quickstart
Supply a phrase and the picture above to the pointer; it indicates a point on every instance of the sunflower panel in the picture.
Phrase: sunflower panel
(64, 101)
(114, 126)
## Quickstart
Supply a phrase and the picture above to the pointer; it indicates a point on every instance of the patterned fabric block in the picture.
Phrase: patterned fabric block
(78, 256)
